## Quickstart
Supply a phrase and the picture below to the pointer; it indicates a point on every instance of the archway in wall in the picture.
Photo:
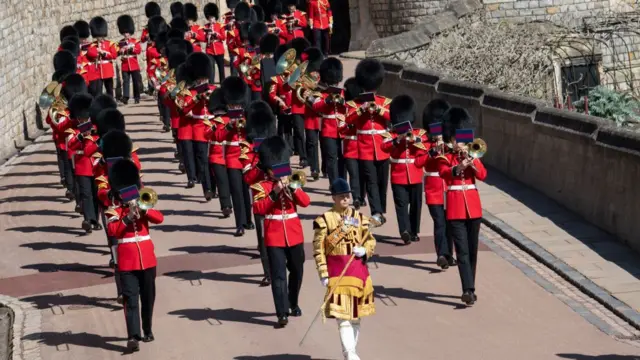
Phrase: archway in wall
(341, 26)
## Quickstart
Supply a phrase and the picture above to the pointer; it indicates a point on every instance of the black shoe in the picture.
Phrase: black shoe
(133, 345)
(226, 212)
(96, 226)
(475, 297)
(120, 300)
(63, 181)
(296, 311)
(239, 232)
(452, 261)
(304, 164)
(69, 195)
(148, 337)
(363, 202)
(78, 209)
(112, 264)
(190, 184)
(266, 281)
(86, 226)
(415, 238)
(315, 175)
(283, 321)
(442, 262)
(214, 194)
(208, 195)
(137, 101)
(406, 237)
(356, 204)
(166, 129)
(467, 298)
(125, 101)
(176, 155)
(182, 168)
(250, 226)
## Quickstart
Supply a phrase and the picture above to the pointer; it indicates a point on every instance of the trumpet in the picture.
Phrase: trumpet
(147, 200)
(372, 107)
(298, 179)
(474, 150)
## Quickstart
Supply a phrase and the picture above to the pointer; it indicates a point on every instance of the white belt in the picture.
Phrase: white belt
(281, 217)
(128, 56)
(351, 137)
(79, 152)
(461, 187)
(403, 161)
(203, 117)
(134, 239)
(330, 116)
(218, 142)
(432, 174)
(371, 132)
(232, 143)
(104, 62)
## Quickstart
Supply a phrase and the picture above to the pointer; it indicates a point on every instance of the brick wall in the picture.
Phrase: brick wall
(392, 17)
(520, 10)
(28, 40)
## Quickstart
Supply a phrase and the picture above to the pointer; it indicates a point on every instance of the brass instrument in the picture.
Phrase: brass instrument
(148, 198)
(245, 68)
(241, 123)
(177, 89)
(161, 74)
(372, 107)
(476, 149)
(49, 94)
(287, 62)
(297, 179)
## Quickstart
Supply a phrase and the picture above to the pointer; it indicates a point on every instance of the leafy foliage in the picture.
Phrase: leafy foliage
(610, 104)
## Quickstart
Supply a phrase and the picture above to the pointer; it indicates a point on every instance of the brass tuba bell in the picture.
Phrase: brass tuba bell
(298, 179)
(477, 148)
(49, 94)
(286, 62)
(148, 198)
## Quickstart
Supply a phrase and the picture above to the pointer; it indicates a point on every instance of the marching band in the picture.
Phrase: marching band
(236, 136)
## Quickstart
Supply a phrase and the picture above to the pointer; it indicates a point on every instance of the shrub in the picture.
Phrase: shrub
(610, 104)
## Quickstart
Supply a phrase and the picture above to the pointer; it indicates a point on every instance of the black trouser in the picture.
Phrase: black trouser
(137, 84)
(285, 128)
(240, 198)
(86, 190)
(443, 243)
(61, 155)
(311, 142)
(234, 71)
(138, 290)
(221, 180)
(201, 150)
(297, 121)
(165, 113)
(217, 61)
(408, 204)
(262, 248)
(376, 173)
(66, 170)
(323, 161)
(188, 160)
(281, 259)
(321, 40)
(333, 156)
(95, 86)
(356, 182)
(465, 238)
(256, 95)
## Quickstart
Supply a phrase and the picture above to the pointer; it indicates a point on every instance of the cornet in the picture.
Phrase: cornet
(147, 200)
(474, 150)
(298, 179)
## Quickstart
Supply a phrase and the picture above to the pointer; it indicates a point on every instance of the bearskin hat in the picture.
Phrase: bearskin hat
(99, 27)
(199, 65)
(331, 71)
(235, 91)
(177, 9)
(295, 3)
(65, 60)
(110, 119)
(216, 102)
(59, 75)
(434, 112)
(242, 12)
(73, 84)
(73, 38)
(152, 9)
(454, 119)
(122, 174)
(180, 24)
(101, 102)
(277, 8)
(211, 11)
(314, 56)
(244, 31)
(175, 34)
(256, 32)
(402, 109)
(351, 89)
(369, 74)
(261, 123)
(189, 47)
(160, 40)
(259, 13)
(231, 4)
(67, 30)
(116, 143)
(83, 29)
(191, 12)
(71, 47)
(175, 45)
(300, 45)
(182, 73)
(280, 50)
(79, 105)
(176, 59)
(269, 43)
(126, 25)
(273, 151)
(156, 25)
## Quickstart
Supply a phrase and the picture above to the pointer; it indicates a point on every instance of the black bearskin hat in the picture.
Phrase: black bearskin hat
(231, 4)
(110, 119)
(180, 24)
(191, 12)
(199, 65)
(331, 71)
(256, 32)
(369, 74)
(101, 102)
(211, 11)
(73, 84)
(295, 3)
(152, 9)
(314, 56)
(261, 123)
(175, 34)
(242, 12)
(235, 91)
(160, 40)
(71, 47)
(59, 75)
(64, 60)
(434, 112)
(79, 106)
(83, 29)
(277, 8)
(216, 101)
(73, 38)
(280, 50)
(244, 31)
(116, 143)
(300, 45)
(177, 9)
(175, 45)
(189, 47)
(454, 119)
(273, 151)
(156, 25)
(99, 27)
(67, 30)
(351, 89)
(269, 43)
(176, 59)
(402, 109)
(259, 12)
(122, 174)
(126, 25)
(182, 73)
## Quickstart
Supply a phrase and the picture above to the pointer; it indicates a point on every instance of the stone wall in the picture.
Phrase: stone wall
(521, 10)
(392, 17)
(583, 162)
(28, 41)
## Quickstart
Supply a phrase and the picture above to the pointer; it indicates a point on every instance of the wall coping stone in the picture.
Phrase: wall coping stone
(393, 66)
(424, 76)
(464, 7)
(510, 103)
(620, 139)
(570, 121)
(460, 88)
(397, 43)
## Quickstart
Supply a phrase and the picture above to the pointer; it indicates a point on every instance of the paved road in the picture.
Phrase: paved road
(209, 304)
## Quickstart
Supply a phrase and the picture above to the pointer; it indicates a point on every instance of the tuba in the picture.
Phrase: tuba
(177, 89)
(49, 94)
(287, 62)
(298, 179)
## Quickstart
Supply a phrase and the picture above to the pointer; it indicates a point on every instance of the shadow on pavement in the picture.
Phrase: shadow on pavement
(63, 340)
(74, 267)
(401, 293)
(33, 199)
(414, 264)
(67, 245)
(229, 314)
(42, 212)
(48, 301)
(219, 249)
(196, 228)
(49, 229)
(51, 185)
(215, 276)
(277, 357)
(598, 357)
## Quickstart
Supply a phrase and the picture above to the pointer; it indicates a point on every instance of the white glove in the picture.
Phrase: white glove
(359, 251)
(324, 282)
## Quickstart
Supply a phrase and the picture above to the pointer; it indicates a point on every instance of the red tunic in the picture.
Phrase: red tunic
(196, 112)
(348, 133)
(433, 183)
(84, 151)
(280, 90)
(279, 28)
(88, 67)
(216, 148)
(104, 61)
(370, 129)
(233, 139)
(320, 15)
(404, 170)
(331, 114)
(163, 92)
(154, 59)
(463, 199)
(251, 174)
(215, 39)
(282, 226)
(196, 37)
(129, 56)
(60, 128)
(101, 178)
(297, 29)
(135, 248)
(145, 35)
(233, 39)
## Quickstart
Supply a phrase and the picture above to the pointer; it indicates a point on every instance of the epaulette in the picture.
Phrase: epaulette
(341, 117)
(218, 119)
(245, 143)
(260, 192)
(319, 223)
(421, 132)
(351, 103)
(70, 131)
(103, 186)
(185, 92)
(420, 145)
(102, 178)
(111, 212)
(387, 135)
(135, 149)
(443, 158)
(96, 155)
(243, 153)
(387, 101)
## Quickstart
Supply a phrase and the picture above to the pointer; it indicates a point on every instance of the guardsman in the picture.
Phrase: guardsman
(217, 161)
(155, 25)
(404, 146)
(321, 24)
(295, 21)
(196, 34)
(61, 151)
(82, 138)
(129, 48)
(464, 210)
(135, 257)
(102, 52)
(312, 118)
(151, 9)
(298, 106)
(177, 10)
(342, 244)
(215, 36)
(85, 67)
(371, 117)
(277, 199)
(277, 25)
(348, 133)
(432, 117)
(241, 14)
(268, 46)
(164, 93)
(232, 134)
(253, 57)
(228, 17)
